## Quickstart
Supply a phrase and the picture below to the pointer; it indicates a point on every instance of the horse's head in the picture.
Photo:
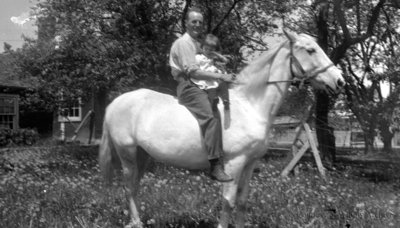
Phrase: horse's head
(309, 62)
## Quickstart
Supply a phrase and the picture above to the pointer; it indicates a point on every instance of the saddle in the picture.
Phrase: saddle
(227, 114)
(222, 91)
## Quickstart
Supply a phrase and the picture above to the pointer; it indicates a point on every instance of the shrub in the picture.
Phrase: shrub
(18, 137)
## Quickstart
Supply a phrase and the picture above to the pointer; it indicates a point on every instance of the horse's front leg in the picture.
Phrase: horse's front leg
(228, 203)
(234, 169)
(243, 193)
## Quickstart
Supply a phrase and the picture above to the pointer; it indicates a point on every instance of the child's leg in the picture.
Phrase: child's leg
(223, 92)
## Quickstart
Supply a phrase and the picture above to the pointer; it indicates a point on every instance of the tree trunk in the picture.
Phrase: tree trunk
(369, 144)
(387, 144)
(325, 136)
(387, 137)
(369, 138)
(99, 108)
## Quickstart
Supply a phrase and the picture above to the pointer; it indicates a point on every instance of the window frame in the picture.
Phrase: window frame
(15, 114)
(69, 118)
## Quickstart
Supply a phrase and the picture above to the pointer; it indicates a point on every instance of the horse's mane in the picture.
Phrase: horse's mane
(257, 72)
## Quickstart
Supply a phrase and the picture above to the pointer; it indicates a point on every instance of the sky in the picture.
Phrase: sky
(14, 22)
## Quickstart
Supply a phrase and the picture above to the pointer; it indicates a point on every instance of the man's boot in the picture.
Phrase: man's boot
(217, 171)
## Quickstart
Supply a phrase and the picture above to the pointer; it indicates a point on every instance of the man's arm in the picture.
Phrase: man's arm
(205, 75)
(186, 58)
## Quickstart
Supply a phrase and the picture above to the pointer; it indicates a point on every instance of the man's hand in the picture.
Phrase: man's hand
(228, 77)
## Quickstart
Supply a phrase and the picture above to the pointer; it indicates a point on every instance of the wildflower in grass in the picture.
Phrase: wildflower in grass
(150, 222)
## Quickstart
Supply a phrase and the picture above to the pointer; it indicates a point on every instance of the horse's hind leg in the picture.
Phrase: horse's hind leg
(134, 162)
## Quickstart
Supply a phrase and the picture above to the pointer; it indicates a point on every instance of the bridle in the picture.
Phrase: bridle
(304, 75)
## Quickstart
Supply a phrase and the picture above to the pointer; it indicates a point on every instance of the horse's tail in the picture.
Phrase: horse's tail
(107, 155)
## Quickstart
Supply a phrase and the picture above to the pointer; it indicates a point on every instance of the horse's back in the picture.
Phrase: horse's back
(140, 96)
(143, 106)
(154, 121)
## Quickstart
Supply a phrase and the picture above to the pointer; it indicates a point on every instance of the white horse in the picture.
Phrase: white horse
(169, 133)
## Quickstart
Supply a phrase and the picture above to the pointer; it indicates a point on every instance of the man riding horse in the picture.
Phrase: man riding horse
(184, 66)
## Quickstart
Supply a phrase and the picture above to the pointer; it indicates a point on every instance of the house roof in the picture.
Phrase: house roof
(8, 78)
(12, 83)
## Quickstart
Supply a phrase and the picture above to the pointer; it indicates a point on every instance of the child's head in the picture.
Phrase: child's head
(210, 44)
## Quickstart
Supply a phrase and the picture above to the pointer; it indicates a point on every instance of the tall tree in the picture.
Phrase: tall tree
(341, 26)
(117, 45)
(325, 136)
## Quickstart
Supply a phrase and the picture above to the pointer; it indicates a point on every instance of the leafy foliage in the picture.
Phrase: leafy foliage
(87, 46)
(61, 187)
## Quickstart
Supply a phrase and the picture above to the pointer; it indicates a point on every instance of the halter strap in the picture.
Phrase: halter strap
(294, 62)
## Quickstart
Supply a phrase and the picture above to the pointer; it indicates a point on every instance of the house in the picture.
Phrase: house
(82, 122)
(85, 116)
(9, 107)
(9, 96)
(11, 115)
(11, 89)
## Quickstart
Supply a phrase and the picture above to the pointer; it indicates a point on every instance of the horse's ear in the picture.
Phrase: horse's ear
(290, 35)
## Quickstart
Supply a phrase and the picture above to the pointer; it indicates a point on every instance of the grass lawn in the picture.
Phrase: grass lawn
(61, 187)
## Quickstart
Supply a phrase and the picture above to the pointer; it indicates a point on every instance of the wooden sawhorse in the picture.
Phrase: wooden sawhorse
(297, 154)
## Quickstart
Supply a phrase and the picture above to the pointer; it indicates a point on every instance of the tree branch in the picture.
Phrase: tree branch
(340, 51)
(337, 6)
(210, 16)
(372, 22)
(215, 29)
(187, 5)
(259, 42)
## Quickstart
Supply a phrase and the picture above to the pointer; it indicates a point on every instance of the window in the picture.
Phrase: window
(72, 114)
(9, 111)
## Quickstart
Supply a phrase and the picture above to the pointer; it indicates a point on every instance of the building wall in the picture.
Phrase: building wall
(396, 140)
(70, 127)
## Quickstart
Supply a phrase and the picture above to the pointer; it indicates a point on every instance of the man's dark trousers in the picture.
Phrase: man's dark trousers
(200, 105)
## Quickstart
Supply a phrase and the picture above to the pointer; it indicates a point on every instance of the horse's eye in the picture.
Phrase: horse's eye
(310, 51)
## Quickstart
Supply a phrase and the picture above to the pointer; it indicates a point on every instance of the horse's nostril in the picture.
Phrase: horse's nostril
(340, 82)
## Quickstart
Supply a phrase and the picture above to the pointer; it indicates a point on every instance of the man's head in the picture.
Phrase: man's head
(194, 22)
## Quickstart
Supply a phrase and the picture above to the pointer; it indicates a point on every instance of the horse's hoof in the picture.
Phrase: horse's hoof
(134, 224)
